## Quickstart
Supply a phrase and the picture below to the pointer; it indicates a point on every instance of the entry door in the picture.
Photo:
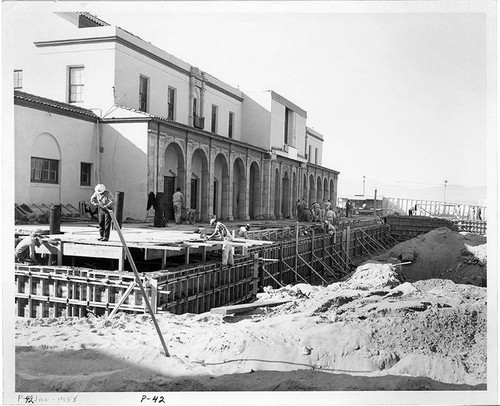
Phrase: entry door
(216, 202)
(168, 190)
(194, 193)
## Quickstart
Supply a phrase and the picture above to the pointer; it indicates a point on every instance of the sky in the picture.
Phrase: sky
(399, 91)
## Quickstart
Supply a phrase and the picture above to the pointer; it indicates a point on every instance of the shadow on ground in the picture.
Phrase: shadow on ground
(90, 370)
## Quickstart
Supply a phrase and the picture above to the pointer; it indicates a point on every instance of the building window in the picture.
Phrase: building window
(18, 79)
(309, 155)
(44, 170)
(76, 79)
(85, 172)
(214, 118)
(143, 93)
(287, 124)
(231, 123)
(316, 156)
(171, 103)
(195, 105)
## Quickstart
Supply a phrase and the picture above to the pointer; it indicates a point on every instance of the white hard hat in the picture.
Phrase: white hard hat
(100, 188)
(212, 221)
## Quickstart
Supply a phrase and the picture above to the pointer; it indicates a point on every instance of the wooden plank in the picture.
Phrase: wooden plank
(246, 307)
(93, 251)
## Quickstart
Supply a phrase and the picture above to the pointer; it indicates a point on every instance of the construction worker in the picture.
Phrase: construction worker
(329, 227)
(178, 201)
(105, 200)
(348, 208)
(243, 231)
(221, 233)
(331, 216)
(25, 249)
(317, 211)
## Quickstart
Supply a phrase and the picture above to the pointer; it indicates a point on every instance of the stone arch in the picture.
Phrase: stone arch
(277, 203)
(221, 187)
(319, 190)
(294, 190)
(332, 193)
(174, 173)
(200, 182)
(312, 190)
(255, 191)
(285, 200)
(305, 190)
(325, 189)
(239, 189)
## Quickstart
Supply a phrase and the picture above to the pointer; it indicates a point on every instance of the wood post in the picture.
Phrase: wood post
(138, 280)
(120, 196)
(55, 219)
(255, 277)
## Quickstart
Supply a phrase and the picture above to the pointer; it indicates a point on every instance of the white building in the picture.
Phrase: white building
(158, 123)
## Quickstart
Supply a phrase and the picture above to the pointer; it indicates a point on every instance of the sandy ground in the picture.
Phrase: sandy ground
(373, 331)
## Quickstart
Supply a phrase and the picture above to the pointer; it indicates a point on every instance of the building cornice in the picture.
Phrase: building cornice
(280, 99)
(119, 40)
(311, 134)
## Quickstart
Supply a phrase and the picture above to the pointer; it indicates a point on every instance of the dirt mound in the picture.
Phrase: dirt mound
(444, 254)
(370, 325)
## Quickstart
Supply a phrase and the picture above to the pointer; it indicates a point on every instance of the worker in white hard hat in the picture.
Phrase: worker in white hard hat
(105, 200)
(221, 233)
(25, 250)
(243, 231)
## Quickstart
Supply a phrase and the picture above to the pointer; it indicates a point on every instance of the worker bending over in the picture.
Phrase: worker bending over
(243, 231)
(25, 250)
(221, 233)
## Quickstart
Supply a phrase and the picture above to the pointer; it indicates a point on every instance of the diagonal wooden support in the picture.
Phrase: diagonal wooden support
(293, 270)
(314, 270)
(331, 270)
(375, 242)
(138, 279)
(269, 273)
(334, 260)
(122, 299)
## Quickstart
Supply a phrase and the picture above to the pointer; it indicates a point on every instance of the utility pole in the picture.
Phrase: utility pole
(445, 183)
(363, 185)
(375, 203)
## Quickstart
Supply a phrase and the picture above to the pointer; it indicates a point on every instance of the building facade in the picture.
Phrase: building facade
(158, 123)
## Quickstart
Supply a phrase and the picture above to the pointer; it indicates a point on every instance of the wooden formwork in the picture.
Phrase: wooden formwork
(405, 227)
(472, 226)
(318, 257)
(48, 291)
(314, 258)
(199, 289)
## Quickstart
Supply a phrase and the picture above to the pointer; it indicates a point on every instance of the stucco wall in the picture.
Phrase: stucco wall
(124, 165)
(315, 143)
(278, 128)
(45, 69)
(225, 104)
(130, 65)
(256, 124)
(53, 136)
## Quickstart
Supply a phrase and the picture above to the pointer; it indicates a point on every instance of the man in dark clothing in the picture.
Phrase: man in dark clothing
(105, 200)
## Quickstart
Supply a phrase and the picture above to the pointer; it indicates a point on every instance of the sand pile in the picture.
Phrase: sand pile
(430, 334)
(443, 254)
